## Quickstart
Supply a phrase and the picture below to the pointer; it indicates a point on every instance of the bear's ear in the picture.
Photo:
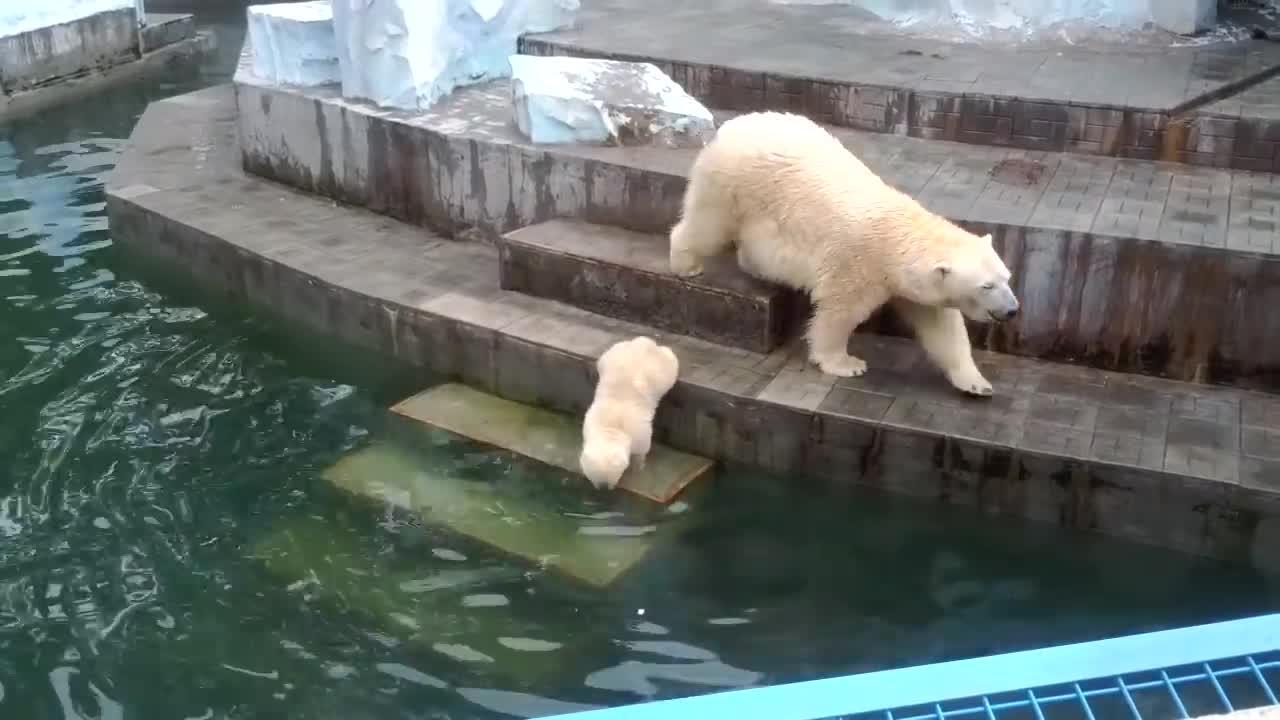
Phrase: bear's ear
(987, 237)
(942, 269)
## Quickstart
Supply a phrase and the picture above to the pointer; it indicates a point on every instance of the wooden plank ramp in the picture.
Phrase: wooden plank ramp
(589, 547)
(549, 437)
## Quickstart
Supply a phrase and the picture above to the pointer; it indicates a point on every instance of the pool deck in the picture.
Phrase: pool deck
(1143, 99)
(1181, 465)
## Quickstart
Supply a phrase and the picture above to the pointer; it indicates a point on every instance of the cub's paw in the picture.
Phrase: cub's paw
(842, 365)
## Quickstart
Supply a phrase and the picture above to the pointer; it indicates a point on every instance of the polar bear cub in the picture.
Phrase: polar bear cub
(806, 213)
(634, 376)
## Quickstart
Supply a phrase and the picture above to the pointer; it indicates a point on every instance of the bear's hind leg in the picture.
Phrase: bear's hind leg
(833, 322)
(945, 339)
(641, 432)
(704, 229)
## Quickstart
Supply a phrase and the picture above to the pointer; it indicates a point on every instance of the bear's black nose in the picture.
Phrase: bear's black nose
(1011, 314)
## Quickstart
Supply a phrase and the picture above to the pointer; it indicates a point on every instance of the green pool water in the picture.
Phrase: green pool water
(169, 549)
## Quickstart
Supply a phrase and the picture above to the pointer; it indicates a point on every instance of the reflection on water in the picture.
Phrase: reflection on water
(169, 548)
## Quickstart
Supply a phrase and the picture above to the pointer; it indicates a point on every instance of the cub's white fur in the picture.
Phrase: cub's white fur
(805, 212)
(634, 376)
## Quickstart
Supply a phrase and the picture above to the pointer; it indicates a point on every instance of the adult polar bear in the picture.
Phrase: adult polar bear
(808, 214)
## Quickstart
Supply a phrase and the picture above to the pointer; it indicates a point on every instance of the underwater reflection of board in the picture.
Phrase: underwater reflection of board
(548, 437)
(595, 550)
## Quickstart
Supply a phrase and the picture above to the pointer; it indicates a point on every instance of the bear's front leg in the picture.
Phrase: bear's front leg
(945, 339)
(833, 322)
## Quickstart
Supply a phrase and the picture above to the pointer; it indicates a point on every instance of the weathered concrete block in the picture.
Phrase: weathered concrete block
(410, 53)
(624, 275)
(31, 56)
(293, 43)
(165, 29)
(580, 100)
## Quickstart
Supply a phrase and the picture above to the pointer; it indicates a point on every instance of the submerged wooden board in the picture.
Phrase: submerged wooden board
(545, 436)
(592, 550)
(424, 605)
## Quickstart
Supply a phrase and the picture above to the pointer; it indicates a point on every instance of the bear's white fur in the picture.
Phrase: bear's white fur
(806, 213)
(634, 375)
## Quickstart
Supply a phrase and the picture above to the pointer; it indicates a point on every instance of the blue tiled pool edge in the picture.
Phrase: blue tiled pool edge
(887, 691)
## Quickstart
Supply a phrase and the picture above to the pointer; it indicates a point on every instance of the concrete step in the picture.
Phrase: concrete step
(1168, 463)
(624, 274)
(1144, 267)
(1136, 99)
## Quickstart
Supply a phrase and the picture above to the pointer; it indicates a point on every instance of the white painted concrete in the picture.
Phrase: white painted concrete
(293, 43)
(408, 54)
(1185, 16)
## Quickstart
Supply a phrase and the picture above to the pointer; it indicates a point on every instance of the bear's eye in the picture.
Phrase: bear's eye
(988, 286)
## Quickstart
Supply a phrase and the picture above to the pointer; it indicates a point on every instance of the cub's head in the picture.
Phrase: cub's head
(604, 462)
(975, 281)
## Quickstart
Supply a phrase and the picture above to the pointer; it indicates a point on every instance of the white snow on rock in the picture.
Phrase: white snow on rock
(293, 43)
(577, 100)
(407, 54)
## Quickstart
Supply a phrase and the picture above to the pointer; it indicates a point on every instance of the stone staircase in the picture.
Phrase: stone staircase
(1132, 393)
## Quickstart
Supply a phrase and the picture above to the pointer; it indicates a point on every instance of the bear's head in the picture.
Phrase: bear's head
(974, 280)
(605, 461)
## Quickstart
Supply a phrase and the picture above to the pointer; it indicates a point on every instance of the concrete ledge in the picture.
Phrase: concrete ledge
(624, 275)
(30, 102)
(1125, 265)
(1161, 462)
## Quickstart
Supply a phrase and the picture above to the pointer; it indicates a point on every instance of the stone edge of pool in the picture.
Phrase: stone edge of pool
(179, 197)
